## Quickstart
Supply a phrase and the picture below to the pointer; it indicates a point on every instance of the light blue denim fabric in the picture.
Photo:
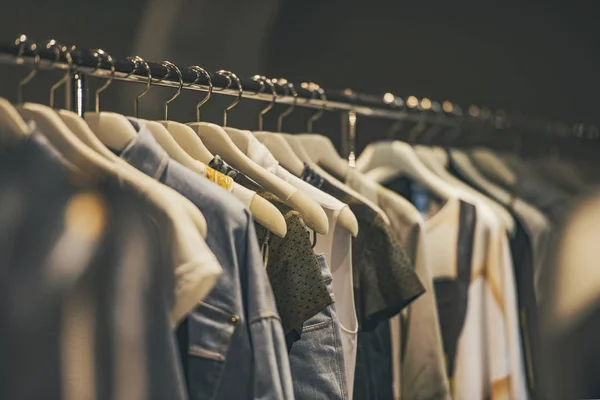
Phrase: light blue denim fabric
(317, 359)
(233, 345)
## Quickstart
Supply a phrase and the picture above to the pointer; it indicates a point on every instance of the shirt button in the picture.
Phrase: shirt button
(235, 319)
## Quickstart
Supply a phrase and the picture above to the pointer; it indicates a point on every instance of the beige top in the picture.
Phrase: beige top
(417, 353)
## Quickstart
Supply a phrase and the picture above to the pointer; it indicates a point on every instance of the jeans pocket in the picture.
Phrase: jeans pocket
(210, 330)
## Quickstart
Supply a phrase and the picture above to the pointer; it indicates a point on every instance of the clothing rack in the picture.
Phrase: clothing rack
(83, 63)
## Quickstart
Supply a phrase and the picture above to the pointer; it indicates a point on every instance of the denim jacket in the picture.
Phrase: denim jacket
(232, 345)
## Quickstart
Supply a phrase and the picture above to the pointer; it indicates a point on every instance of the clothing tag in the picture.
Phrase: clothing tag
(224, 181)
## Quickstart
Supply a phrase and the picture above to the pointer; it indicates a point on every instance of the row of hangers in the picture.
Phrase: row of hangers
(195, 144)
(85, 142)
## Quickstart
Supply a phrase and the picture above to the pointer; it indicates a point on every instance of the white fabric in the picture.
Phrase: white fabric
(489, 358)
(336, 246)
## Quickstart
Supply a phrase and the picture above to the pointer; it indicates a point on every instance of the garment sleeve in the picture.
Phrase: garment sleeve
(385, 281)
(272, 375)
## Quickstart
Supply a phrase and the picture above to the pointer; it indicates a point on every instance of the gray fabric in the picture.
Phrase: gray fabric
(534, 189)
(65, 247)
(317, 358)
(233, 346)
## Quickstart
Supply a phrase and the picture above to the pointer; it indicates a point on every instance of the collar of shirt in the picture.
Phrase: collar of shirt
(144, 152)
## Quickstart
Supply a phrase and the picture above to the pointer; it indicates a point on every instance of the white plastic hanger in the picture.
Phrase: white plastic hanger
(346, 217)
(431, 161)
(401, 156)
(462, 162)
(285, 155)
(303, 155)
(218, 142)
(14, 127)
(281, 150)
(323, 153)
(440, 155)
(265, 213)
(183, 134)
(492, 166)
(114, 130)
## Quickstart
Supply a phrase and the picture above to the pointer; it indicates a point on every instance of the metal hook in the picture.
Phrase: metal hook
(199, 70)
(259, 80)
(57, 50)
(265, 110)
(170, 67)
(101, 53)
(289, 110)
(137, 60)
(21, 42)
(240, 92)
(314, 88)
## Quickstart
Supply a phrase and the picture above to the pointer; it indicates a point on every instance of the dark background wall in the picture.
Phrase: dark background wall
(538, 57)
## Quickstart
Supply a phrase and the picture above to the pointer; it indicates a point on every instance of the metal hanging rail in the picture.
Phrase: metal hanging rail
(388, 106)
(84, 62)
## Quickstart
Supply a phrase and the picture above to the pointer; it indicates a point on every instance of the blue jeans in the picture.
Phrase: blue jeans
(317, 359)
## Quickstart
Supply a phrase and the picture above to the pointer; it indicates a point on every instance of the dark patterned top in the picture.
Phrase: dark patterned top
(384, 277)
(293, 269)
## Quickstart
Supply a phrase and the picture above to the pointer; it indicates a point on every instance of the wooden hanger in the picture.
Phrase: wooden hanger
(218, 142)
(401, 156)
(431, 161)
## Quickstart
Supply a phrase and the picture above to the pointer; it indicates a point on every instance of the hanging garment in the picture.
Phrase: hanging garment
(181, 224)
(235, 333)
(522, 256)
(531, 187)
(317, 358)
(294, 271)
(476, 343)
(97, 283)
(384, 280)
(384, 283)
(537, 225)
(418, 341)
(335, 246)
(418, 356)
